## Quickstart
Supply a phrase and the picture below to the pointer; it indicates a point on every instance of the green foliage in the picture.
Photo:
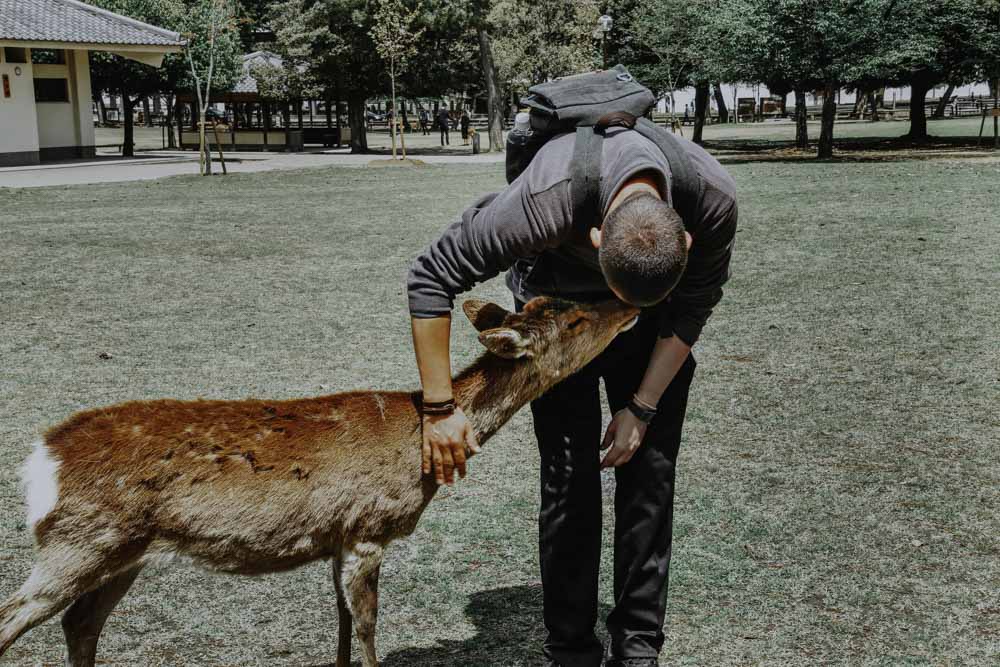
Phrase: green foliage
(675, 40)
(534, 41)
(114, 73)
(927, 43)
(394, 32)
(214, 50)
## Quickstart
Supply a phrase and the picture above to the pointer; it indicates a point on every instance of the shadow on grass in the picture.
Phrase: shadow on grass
(509, 631)
(875, 149)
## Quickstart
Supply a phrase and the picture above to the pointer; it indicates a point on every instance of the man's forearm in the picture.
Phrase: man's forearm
(432, 345)
(667, 358)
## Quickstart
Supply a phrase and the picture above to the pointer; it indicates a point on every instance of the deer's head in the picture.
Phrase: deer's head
(556, 337)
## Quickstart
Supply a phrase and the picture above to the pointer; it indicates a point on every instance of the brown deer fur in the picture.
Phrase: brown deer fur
(255, 486)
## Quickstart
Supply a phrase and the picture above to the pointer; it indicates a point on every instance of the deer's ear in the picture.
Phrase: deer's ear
(505, 342)
(483, 314)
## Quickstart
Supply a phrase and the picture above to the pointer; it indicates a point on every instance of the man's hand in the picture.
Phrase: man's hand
(625, 433)
(449, 440)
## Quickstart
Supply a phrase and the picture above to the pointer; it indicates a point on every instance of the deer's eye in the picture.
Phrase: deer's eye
(577, 322)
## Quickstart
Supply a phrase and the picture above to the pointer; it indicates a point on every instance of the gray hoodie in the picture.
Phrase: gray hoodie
(527, 229)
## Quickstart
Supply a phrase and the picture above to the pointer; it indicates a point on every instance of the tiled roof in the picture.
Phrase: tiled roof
(248, 84)
(76, 22)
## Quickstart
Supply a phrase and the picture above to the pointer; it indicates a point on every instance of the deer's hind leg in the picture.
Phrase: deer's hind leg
(359, 570)
(345, 630)
(84, 620)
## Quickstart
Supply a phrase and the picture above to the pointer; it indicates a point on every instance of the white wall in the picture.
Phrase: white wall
(18, 124)
(79, 80)
(56, 120)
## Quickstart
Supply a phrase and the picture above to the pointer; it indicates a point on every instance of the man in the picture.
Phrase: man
(646, 255)
(444, 124)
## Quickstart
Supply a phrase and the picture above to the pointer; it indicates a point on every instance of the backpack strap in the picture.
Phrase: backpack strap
(685, 188)
(585, 173)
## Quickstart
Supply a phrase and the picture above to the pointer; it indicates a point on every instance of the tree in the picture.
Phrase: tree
(680, 38)
(128, 78)
(930, 43)
(534, 42)
(213, 42)
(799, 45)
(395, 40)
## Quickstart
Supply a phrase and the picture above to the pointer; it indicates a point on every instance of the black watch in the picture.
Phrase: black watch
(645, 415)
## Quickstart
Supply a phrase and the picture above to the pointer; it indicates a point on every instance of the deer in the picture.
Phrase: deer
(252, 486)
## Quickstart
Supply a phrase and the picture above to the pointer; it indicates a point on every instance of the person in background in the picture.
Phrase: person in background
(425, 121)
(443, 124)
(464, 124)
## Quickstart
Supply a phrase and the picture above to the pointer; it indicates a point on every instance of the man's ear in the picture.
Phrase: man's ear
(595, 237)
(505, 342)
(483, 314)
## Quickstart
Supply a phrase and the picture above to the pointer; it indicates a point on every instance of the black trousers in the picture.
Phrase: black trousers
(444, 135)
(568, 427)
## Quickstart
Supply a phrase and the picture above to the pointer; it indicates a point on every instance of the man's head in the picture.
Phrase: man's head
(643, 247)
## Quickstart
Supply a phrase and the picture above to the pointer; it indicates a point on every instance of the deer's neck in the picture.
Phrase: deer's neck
(492, 390)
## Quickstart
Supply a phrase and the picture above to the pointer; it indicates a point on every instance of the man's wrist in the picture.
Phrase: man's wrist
(646, 401)
(640, 412)
(442, 408)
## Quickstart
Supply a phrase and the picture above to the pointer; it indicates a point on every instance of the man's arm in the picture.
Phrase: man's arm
(689, 306)
(491, 235)
(626, 430)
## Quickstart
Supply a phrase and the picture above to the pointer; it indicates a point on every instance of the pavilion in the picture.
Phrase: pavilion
(255, 122)
(45, 95)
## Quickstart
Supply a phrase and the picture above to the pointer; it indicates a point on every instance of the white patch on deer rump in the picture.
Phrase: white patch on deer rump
(40, 475)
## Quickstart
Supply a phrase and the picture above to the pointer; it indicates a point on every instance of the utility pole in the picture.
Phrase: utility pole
(604, 27)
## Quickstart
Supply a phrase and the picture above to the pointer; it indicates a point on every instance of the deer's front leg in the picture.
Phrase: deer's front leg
(359, 577)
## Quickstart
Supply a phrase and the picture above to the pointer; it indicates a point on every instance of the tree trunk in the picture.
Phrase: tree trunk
(147, 115)
(102, 111)
(356, 119)
(918, 112)
(394, 114)
(493, 98)
(128, 149)
(801, 128)
(874, 103)
(701, 92)
(171, 137)
(720, 102)
(943, 102)
(860, 101)
(829, 116)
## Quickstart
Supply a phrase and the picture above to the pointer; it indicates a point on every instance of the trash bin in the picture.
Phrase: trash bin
(475, 144)
(294, 142)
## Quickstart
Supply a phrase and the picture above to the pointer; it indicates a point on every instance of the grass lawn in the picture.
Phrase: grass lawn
(837, 488)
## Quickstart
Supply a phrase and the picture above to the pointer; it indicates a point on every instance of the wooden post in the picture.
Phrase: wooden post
(996, 114)
(218, 144)
(266, 112)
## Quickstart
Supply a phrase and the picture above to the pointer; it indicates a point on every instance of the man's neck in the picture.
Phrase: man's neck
(634, 185)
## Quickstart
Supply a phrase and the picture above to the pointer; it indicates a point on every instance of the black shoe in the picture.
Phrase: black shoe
(632, 662)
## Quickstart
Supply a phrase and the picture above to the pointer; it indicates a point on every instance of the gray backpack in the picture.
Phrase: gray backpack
(588, 104)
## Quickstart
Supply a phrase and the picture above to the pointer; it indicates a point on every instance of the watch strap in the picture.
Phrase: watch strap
(645, 415)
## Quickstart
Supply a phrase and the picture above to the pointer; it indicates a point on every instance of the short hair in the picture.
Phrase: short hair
(643, 249)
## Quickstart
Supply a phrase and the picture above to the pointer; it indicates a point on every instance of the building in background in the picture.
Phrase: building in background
(45, 95)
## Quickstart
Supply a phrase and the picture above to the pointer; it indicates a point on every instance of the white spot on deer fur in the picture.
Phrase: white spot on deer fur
(380, 403)
(41, 483)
